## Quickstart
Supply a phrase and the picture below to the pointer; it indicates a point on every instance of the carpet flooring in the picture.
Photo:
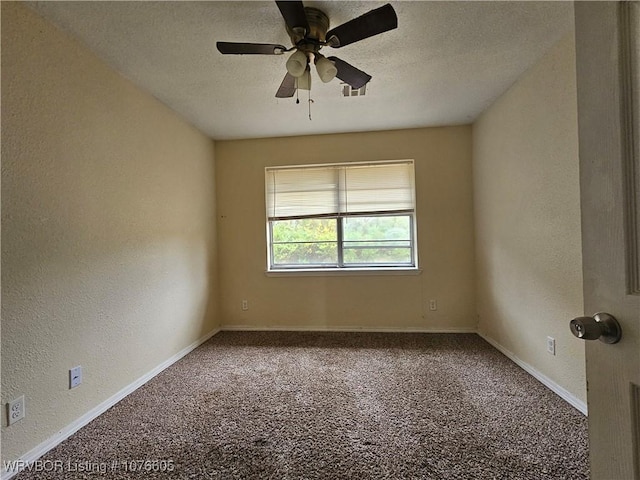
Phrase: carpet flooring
(294, 405)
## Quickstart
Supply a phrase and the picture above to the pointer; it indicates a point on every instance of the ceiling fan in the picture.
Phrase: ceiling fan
(308, 29)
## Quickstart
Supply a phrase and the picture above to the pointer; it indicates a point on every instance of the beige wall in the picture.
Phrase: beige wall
(108, 247)
(445, 237)
(527, 214)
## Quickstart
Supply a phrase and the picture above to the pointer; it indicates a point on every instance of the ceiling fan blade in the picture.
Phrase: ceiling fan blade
(250, 48)
(293, 14)
(350, 74)
(371, 23)
(287, 87)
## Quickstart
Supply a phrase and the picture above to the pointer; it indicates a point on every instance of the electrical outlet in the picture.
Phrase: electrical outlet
(551, 345)
(75, 377)
(245, 305)
(433, 305)
(15, 410)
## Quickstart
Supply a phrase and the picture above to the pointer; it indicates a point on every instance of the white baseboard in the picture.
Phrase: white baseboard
(34, 454)
(546, 381)
(252, 328)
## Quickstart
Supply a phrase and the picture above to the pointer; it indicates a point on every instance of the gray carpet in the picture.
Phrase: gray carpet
(283, 405)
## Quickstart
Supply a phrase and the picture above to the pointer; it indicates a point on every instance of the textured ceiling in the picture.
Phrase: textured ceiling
(444, 64)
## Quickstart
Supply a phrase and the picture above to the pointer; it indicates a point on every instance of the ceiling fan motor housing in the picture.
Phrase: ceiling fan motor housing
(318, 27)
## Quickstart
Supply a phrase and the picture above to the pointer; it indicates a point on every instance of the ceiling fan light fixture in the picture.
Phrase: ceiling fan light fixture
(297, 63)
(327, 70)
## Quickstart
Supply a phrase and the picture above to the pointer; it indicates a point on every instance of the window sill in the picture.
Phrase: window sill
(351, 272)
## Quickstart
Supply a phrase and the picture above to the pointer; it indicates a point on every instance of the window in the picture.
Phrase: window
(341, 216)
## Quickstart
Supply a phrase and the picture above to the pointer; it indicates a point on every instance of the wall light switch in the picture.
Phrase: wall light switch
(75, 376)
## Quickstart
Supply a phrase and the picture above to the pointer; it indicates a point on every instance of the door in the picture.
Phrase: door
(607, 49)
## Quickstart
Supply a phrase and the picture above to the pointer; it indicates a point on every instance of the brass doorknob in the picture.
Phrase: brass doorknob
(601, 326)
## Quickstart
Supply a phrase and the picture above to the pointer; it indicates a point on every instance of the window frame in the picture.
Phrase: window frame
(339, 218)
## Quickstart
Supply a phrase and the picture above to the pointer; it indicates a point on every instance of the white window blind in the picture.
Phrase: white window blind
(339, 189)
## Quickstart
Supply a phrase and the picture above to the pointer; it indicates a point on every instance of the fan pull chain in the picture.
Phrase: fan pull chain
(310, 102)
(297, 90)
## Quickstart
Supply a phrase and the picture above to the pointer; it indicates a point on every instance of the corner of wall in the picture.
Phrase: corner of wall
(527, 220)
